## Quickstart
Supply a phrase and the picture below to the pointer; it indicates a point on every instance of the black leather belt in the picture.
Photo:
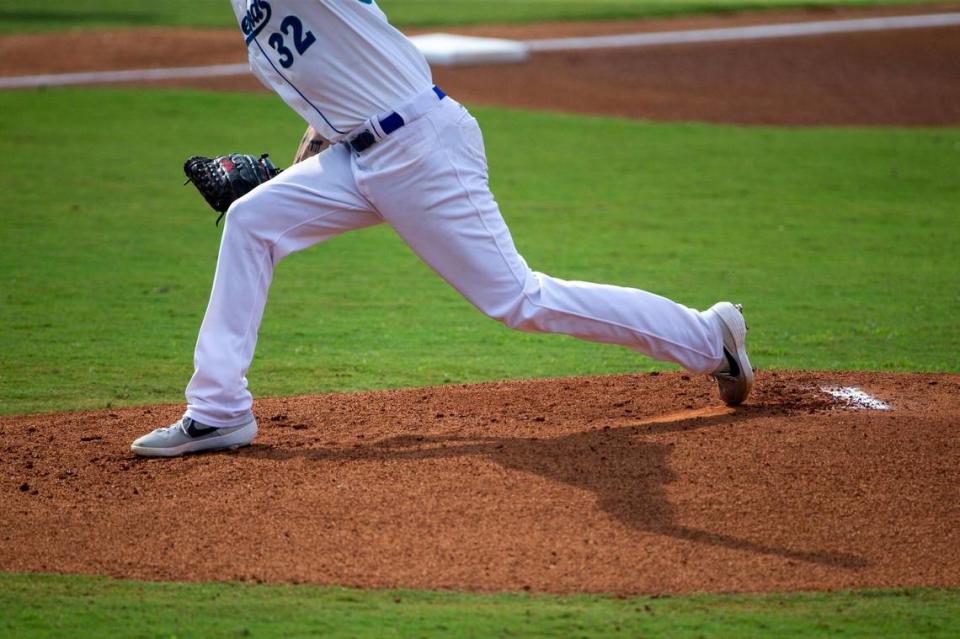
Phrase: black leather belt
(388, 124)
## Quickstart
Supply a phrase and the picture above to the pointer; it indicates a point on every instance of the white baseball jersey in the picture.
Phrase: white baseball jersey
(335, 62)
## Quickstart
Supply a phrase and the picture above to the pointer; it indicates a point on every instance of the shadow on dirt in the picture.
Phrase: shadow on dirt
(627, 474)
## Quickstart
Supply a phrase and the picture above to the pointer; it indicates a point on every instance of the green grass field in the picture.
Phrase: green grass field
(29, 15)
(53, 606)
(841, 244)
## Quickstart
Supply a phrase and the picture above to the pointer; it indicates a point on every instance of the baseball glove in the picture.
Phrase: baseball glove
(223, 179)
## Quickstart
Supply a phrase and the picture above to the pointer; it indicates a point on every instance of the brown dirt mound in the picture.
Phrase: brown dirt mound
(630, 484)
(905, 77)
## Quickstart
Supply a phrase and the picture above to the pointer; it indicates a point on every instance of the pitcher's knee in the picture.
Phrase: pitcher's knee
(240, 215)
(518, 311)
(246, 216)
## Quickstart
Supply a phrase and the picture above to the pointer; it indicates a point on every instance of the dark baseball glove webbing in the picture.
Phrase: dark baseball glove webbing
(223, 179)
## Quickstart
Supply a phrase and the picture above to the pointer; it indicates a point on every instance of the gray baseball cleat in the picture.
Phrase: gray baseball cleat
(189, 436)
(735, 375)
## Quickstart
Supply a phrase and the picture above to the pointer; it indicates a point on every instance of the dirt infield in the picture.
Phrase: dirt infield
(906, 77)
(630, 484)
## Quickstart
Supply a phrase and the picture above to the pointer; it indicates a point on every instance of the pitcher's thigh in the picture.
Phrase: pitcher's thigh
(307, 203)
(435, 195)
(466, 241)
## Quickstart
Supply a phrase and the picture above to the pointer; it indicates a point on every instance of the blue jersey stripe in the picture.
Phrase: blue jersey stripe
(299, 92)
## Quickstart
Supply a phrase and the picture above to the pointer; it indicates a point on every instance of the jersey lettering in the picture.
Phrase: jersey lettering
(302, 40)
(286, 55)
(255, 19)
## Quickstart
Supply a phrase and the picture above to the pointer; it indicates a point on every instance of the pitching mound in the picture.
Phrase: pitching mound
(631, 484)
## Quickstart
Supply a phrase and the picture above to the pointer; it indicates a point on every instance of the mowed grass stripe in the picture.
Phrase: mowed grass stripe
(28, 15)
(840, 242)
(57, 606)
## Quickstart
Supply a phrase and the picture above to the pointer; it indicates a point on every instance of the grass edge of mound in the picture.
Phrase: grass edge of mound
(54, 605)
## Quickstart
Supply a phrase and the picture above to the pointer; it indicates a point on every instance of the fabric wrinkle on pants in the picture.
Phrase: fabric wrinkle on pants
(429, 181)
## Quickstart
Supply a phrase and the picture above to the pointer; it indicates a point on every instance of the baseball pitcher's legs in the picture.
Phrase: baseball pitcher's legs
(430, 184)
(311, 202)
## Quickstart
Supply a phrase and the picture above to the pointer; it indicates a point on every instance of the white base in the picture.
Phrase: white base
(450, 50)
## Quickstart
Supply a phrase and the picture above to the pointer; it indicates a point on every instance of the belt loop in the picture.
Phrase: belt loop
(378, 131)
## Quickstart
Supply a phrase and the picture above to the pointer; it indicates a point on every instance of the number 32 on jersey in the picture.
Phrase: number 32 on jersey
(292, 32)
(300, 39)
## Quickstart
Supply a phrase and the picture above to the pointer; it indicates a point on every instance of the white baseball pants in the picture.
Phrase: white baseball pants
(428, 180)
